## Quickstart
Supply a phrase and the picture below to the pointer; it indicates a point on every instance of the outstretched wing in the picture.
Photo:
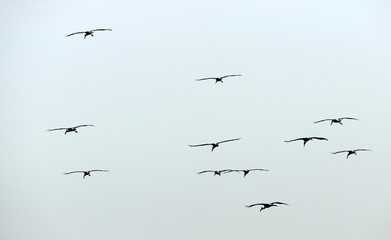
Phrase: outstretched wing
(350, 118)
(234, 75)
(323, 120)
(202, 79)
(54, 129)
(361, 149)
(85, 125)
(294, 140)
(206, 171)
(199, 145)
(101, 29)
(75, 33)
(256, 204)
(279, 203)
(74, 172)
(340, 152)
(258, 169)
(98, 170)
(229, 140)
(319, 138)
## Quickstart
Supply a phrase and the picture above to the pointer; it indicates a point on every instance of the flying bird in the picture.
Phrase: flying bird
(70, 129)
(306, 139)
(247, 171)
(89, 33)
(336, 120)
(350, 152)
(214, 145)
(218, 79)
(216, 172)
(86, 173)
(266, 205)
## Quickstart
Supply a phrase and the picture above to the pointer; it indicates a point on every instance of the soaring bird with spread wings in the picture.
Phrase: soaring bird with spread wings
(70, 129)
(306, 139)
(89, 33)
(214, 145)
(336, 120)
(247, 171)
(218, 79)
(86, 173)
(216, 172)
(266, 205)
(350, 152)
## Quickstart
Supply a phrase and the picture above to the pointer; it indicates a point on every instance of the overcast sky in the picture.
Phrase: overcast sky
(300, 61)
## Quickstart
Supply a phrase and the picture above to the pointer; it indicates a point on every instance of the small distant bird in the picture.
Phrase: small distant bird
(86, 173)
(247, 171)
(216, 172)
(218, 79)
(70, 129)
(336, 120)
(89, 33)
(214, 145)
(350, 152)
(306, 139)
(266, 205)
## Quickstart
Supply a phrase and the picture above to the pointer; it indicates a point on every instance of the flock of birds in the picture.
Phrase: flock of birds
(215, 144)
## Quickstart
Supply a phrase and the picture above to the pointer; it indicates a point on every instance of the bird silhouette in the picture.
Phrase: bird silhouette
(350, 152)
(89, 33)
(218, 79)
(336, 120)
(86, 173)
(306, 139)
(214, 145)
(216, 172)
(247, 171)
(70, 129)
(266, 205)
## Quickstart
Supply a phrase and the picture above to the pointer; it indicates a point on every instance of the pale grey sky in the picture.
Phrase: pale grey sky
(301, 61)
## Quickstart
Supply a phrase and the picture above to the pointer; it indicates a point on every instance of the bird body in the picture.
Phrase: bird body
(266, 205)
(90, 32)
(247, 171)
(70, 129)
(218, 79)
(335, 120)
(214, 145)
(350, 152)
(86, 173)
(306, 139)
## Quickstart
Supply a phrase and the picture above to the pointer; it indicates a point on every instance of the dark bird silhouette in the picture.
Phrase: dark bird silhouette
(306, 139)
(86, 173)
(266, 205)
(70, 129)
(218, 79)
(216, 172)
(336, 120)
(89, 33)
(247, 171)
(214, 145)
(350, 152)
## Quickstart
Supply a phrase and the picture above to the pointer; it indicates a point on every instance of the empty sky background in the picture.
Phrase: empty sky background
(301, 61)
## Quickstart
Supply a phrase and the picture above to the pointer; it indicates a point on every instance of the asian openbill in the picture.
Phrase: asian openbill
(89, 33)
(247, 171)
(86, 173)
(306, 139)
(336, 120)
(214, 145)
(70, 129)
(266, 205)
(217, 172)
(218, 79)
(350, 152)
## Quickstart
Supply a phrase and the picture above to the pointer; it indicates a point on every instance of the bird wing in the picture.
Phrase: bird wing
(101, 29)
(229, 140)
(199, 145)
(340, 152)
(279, 203)
(85, 125)
(227, 171)
(256, 204)
(361, 149)
(234, 75)
(98, 170)
(323, 120)
(75, 172)
(319, 138)
(294, 140)
(205, 171)
(259, 169)
(75, 33)
(350, 118)
(202, 79)
(54, 129)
